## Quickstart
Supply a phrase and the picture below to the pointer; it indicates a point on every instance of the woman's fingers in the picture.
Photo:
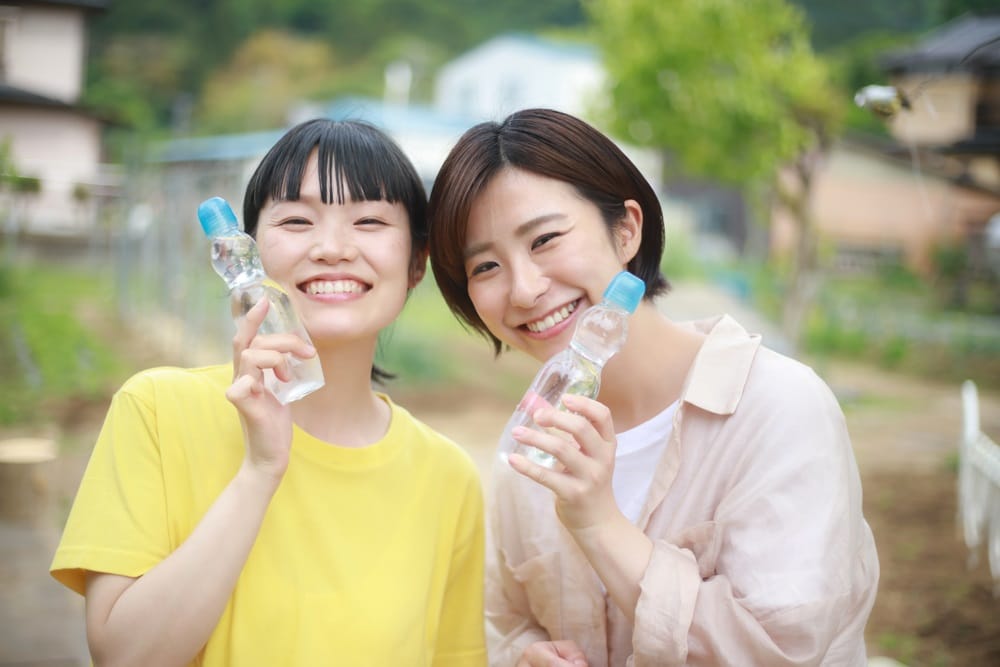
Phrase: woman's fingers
(253, 352)
(247, 326)
(556, 481)
(243, 388)
(574, 437)
(596, 413)
(583, 441)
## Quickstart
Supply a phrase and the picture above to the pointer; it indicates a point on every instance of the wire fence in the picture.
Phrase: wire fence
(164, 283)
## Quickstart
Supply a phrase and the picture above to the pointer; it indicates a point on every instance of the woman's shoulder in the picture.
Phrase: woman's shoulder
(434, 443)
(775, 376)
(159, 381)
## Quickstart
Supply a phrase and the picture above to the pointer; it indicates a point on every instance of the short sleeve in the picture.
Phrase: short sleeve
(117, 523)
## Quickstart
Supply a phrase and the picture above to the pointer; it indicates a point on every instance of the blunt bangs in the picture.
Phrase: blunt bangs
(356, 162)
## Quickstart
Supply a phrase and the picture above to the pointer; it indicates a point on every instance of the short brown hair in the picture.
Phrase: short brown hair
(551, 144)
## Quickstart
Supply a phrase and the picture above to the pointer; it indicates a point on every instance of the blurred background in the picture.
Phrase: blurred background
(857, 228)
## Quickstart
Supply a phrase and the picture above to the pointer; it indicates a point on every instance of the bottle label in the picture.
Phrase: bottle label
(531, 402)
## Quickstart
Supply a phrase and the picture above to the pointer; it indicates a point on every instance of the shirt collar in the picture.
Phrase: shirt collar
(719, 373)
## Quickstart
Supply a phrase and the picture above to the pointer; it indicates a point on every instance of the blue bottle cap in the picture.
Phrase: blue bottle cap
(625, 290)
(217, 218)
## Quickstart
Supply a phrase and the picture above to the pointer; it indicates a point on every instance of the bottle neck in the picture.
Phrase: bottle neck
(236, 260)
(600, 333)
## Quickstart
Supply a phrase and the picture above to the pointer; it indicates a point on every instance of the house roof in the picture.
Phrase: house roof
(926, 162)
(11, 95)
(394, 119)
(986, 141)
(85, 4)
(221, 147)
(971, 41)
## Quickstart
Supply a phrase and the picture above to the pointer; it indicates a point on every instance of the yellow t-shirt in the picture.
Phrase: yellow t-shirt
(367, 556)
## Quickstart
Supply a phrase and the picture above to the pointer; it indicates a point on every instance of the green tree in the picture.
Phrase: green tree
(268, 73)
(732, 91)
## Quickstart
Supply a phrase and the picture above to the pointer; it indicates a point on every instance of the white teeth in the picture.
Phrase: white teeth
(552, 320)
(334, 287)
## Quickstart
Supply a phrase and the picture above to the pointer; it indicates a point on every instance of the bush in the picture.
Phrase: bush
(50, 345)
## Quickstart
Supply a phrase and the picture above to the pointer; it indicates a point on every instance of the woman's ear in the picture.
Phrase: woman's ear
(628, 232)
(418, 268)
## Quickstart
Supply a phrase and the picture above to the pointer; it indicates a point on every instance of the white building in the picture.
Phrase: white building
(50, 137)
(512, 72)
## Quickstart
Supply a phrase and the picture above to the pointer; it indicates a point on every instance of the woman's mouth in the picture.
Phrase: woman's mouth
(552, 319)
(334, 287)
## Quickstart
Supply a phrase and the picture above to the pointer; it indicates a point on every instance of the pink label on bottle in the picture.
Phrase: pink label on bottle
(531, 402)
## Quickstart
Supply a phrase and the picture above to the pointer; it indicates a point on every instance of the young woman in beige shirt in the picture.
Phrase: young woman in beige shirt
(739, 538)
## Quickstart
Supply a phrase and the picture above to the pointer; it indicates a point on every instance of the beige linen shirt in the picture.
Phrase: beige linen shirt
(761, 555)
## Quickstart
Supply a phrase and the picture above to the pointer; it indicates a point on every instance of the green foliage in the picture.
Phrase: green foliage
(898, 323)
(679, 260)
(730, 87)
(269, 72)
(48, 344)
(147, 58)
(25, 185)
(419, 347)
(950, 260)
(836, 23)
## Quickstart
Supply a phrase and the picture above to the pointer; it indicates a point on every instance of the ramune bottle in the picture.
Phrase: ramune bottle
(236, 260)
(600, 333)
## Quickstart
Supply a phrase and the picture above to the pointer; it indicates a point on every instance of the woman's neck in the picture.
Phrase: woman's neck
(345, 411)
(648, 374)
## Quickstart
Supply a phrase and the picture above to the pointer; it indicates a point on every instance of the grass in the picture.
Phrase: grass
(428, 348)
(53, 341)
(892, 319)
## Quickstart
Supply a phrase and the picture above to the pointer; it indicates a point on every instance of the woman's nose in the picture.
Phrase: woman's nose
(333, 244)
(527, 285)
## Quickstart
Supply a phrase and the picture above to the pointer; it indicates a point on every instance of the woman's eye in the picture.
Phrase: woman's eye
(294, 222)
(369, 222)
(543, 239)
(481, 268)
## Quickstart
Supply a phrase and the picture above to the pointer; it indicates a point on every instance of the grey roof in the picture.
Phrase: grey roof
(221, 147)
(393, 119)
(971, 41)
(85, 4)
(13, 95)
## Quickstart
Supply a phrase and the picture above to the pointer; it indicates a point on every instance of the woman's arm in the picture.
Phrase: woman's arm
(585, 502)
(165, 616)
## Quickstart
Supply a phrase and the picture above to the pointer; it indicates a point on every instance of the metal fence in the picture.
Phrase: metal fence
(163, 278)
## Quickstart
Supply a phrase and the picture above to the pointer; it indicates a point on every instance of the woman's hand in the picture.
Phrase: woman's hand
(585, 502)
(267, 424)
(586, 449)
(564, 653)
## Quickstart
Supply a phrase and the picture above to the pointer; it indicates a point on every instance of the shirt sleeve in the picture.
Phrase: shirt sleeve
(117, 523)
(788, 561)
(461, 641)
(511, 624)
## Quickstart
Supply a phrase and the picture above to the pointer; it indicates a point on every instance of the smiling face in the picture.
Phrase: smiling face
(346, 267)
(537, 254)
